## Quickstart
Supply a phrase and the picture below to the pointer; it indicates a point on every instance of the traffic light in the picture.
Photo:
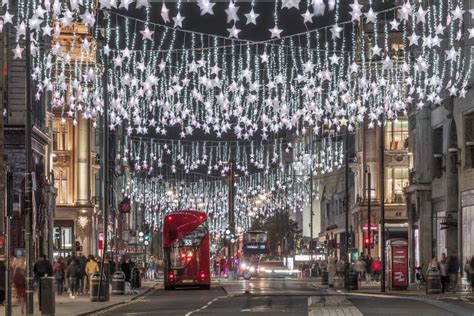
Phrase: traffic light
(57, 234)
(366, 242)
(146, 236)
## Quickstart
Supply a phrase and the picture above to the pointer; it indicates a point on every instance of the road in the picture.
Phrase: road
(280, 297)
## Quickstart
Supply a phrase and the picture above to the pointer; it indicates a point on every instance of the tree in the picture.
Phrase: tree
(279, 226)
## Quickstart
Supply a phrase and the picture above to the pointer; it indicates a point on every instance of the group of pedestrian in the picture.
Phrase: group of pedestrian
(448, 268)
(368, 269)
(18, 275)
(73, 274)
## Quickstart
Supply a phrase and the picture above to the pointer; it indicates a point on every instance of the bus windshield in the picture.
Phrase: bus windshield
(184, 249)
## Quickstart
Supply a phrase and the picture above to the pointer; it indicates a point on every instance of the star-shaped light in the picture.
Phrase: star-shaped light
(334, 59)
(88, 18)
(413, 38)
(264, 57)
(307, 17)
(85, 45)
(233, 32)
(7, 18)
(231, 12)
(336, 31)
(21, 29)
(125, 4)
(206, 7)
(147, 34)
(370, 16)
(178, 20)
(251, 17)
(457, 13)
(421, 15)
(376, 50)
(319, 7)
(288, 4)
(275, 32)
(165, 13)
(142, 4)
(343, 121)
(451, 54)
(17, 52)
(387, 62)
(394, 25)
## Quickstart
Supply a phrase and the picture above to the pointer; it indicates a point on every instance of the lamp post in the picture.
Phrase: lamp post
(346, 183)
(369, 206)
(382, 204)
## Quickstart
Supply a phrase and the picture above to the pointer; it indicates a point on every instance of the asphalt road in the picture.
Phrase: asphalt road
(279, 297)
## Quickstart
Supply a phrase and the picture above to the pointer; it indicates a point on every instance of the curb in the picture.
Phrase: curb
(105, 308)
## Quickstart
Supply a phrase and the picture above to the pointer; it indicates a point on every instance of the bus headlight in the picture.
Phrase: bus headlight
(243, 266)
(252, 269)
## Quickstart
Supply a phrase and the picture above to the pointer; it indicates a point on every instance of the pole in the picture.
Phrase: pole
(9, 211)
(369, 208)
(346, 183)
(311, 213)
(231, 215)
(105, 172)
(28, 183)
(382, 204)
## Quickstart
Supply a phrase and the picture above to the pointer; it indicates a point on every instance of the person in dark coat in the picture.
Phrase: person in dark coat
(82, 270)
(72, 274)
(453, 271)
(125, 268)
(41, 268)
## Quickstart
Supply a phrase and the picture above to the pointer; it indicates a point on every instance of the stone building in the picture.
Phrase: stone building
(74, 166)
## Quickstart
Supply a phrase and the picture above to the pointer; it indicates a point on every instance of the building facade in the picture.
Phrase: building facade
(74, 166)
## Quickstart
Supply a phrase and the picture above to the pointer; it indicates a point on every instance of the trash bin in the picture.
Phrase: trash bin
(47, 296)
(94, 290)
(433, 282)
(118, 283)
(353, 282)
(324, 277)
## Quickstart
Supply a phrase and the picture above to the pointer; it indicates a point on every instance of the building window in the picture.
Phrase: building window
(61, 135)
(396, 181)
(61, 182)
(469, 137)
(396, 135)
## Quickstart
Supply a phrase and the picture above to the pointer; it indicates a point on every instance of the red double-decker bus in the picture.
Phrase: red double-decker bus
(186, 250)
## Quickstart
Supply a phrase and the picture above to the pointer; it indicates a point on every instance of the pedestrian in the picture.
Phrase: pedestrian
(42, 268)
(471, 272)
(443, 272)
(434, 265)
(3, 271)
(82, 268)
(58, 271)
(19, 282)
(91, 267)
(125, 268)
(360, 268)
(376, 269)
(72, 274)
(368, 269)
(453, 270)
(331, 271)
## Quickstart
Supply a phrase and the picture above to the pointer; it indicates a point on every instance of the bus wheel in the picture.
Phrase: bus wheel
(169, 288)
(205, 287)
(247, 275)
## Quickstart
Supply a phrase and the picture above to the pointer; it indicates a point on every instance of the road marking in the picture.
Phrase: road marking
(205, 306)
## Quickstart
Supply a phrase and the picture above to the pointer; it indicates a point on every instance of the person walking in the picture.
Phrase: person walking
(91, 267)
(72, 274)
(443, 272)
(58, 271)
(376, 269)
(368, 269)
(82, 277)
(42, 268)
(453, 270)
(360, 268)
(125, 268)
(19, 282)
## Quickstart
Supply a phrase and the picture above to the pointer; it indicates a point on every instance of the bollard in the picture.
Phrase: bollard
(353, 282)
(48, 303)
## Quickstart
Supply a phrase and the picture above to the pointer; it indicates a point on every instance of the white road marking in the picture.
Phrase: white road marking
(205, 306)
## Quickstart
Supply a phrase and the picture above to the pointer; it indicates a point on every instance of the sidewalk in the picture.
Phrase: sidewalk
(412, 291)
(81, 305)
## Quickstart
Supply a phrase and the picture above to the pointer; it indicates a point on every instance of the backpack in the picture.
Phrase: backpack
(59, 274)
